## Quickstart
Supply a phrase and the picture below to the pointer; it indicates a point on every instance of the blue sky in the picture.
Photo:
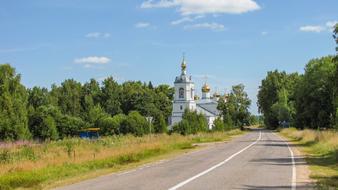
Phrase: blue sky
(230, 41)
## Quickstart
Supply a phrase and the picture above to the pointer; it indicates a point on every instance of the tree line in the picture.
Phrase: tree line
(308, 100)
(64, 110)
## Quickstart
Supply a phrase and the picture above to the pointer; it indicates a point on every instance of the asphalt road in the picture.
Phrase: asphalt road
(257, 160)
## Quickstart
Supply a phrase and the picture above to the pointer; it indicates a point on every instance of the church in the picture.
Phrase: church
(185, 98)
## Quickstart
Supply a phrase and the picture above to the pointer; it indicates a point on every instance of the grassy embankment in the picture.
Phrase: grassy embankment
(321, 151)
(40, 166)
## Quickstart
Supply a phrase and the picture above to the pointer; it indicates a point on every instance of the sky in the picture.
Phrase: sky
(225, 42)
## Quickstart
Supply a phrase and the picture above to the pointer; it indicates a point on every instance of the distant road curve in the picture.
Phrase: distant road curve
(257, 160)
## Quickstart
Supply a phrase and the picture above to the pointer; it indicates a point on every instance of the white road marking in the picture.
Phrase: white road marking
(215, 166)
(294, 172)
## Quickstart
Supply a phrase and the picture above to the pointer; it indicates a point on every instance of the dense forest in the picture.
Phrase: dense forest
(65, 110)
(308, 100)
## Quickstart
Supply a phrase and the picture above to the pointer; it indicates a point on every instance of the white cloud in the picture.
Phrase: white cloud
(212, 26)
(91, 61)
(312, 28)
(328, 26)
(98, 35)
(160, 4)
(142, 24)
(182, 20)
(190, 7)
(331, 24)
(186, 19)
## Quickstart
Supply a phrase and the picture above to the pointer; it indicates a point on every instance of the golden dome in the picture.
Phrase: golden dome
(206, 88)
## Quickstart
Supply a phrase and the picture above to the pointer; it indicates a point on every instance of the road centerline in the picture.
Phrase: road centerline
(215, 166)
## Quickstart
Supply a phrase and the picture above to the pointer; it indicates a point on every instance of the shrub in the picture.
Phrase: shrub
(135, 124)
(159, 124)
(111, 125)
(69, 126)
(218, 125)
(191, 123)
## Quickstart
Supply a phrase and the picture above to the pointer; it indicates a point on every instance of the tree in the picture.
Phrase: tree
(69, 97)
(38, 97)
(69, 126)
(111, 125)
(281, 108)
(235, 107)
(160, 124)
(192, 123)
(13, 102)
(315, 95)
(111, 96)
(135, 124)
(272, 87)
(42, 123)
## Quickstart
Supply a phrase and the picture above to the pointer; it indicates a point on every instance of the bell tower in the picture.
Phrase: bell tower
(184, 94)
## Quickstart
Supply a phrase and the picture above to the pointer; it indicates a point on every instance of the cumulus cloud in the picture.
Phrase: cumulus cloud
(191, 7)
(212, 26)
(142, 25)
(98, 35)
(328, 26)
(92, 61)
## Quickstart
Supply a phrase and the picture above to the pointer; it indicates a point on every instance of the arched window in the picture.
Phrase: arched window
(181, 93)
(192, 93)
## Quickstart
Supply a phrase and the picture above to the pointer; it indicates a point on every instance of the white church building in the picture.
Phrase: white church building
(185, 98)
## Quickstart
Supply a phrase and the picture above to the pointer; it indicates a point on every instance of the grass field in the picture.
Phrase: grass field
(321, 151)
(40, 166)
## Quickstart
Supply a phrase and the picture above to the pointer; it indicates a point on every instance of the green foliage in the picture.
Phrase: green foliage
(315, 95)
(135, 124)
(69, 126)
(69, 97)
(111, 96)
(235, 109)
(160, 126)
(218, 125)
(111, 125)
(276, 97)
(13, 101)
(42, 124)
(192, 123)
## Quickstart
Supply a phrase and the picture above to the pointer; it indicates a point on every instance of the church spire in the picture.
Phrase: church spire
(184, 65)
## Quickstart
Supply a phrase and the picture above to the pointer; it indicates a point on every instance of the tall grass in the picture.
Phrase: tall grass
(321, 148)
(36, 165)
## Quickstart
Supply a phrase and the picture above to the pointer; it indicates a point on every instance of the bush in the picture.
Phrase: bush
(42, 123)
(69, 126)
(159, 124)
(111, 125)
(218, 125)
(191, 123)
(135, 124)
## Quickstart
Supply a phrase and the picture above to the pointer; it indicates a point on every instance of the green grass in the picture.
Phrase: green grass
(321, 151)
(55, 162)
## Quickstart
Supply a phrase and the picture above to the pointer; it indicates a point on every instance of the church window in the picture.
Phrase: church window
(192, 93)
(181, 93)
(181, 107)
